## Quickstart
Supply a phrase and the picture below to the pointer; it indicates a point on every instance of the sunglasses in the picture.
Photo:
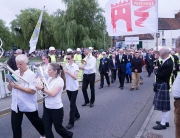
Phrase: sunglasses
(67, 58)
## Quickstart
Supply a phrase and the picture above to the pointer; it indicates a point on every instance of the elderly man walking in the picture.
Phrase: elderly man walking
(162, 97)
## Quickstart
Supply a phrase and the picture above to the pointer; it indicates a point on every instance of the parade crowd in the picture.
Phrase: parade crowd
(122, 65)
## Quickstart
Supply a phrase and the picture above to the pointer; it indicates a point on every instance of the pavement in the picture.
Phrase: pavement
(145, 130)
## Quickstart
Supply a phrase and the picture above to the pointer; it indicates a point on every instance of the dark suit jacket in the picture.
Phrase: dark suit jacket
(137, 64)
(104, 65)
(112, 65)
(149, 60)
(12, 63)
(164, 72)
(129, 58)
(121, 66)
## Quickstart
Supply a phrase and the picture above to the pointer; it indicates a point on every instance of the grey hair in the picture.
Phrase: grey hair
(18, 51)
(23, 58)
(178, 42)
(165, 51)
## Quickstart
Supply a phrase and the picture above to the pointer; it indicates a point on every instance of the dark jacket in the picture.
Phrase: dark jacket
(149, 60)
(137, 63)
(129, 58)
(121, 66)
(104, 65)
(112, 65)
(164, 72)
(12, 63)
(176, 60)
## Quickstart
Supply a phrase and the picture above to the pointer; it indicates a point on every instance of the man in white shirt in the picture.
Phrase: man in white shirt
(89, 77)
(24, 99)
(72, 85)
(176, 94)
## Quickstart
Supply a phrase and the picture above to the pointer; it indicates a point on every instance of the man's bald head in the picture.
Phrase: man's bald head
(121, 51)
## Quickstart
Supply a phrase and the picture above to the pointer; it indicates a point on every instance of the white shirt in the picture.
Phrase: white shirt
(90, 67)
(45, 70)
(175, 87)
(54, 102)
(164, 60)
(26, 102)
(72, 84)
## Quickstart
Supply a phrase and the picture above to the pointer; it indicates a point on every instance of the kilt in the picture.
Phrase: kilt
(162, 98)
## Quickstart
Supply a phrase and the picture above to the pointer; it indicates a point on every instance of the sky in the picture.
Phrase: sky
(10, 8)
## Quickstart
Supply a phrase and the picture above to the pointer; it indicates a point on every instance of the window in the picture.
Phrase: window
(163, 42)
(173, 41)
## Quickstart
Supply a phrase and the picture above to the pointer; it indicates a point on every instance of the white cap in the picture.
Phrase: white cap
(78, 49)
(90, 48)
(51, 48)
(69, 50)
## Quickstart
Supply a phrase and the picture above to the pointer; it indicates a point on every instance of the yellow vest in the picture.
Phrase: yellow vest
(77, 57)
(53, 58)
(100, 56)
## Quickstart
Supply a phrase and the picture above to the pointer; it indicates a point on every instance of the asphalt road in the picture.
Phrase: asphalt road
(116, 113)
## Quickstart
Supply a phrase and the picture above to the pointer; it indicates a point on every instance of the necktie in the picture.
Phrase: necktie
(161, 62)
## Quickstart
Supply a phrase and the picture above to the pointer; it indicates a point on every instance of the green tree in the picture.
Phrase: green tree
(81, 25)
(23, 26)
(5, 35)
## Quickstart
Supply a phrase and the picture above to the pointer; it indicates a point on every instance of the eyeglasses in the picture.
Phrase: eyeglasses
(67, 58)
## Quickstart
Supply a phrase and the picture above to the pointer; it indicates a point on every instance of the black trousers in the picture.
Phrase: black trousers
(121, 76)
(128, 78)
(149, 69)
(16, 121)
(88, 79)
(72, 95)
(113, 75)
(55, 116)
(102, 78)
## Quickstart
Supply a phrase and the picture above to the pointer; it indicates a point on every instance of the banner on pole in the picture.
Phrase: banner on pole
(131, 40)
(34, 38)
(129, 17)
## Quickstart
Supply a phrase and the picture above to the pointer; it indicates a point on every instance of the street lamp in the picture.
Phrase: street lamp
(104, 31)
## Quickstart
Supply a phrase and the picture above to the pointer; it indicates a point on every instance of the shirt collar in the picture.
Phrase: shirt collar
(73, 64)
(164, 60)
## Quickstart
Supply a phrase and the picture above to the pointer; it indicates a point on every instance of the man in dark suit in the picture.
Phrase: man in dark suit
(162, 97)
(136, 64)
(113, 67)
(149, 62)
(121, 59)
(104, 69)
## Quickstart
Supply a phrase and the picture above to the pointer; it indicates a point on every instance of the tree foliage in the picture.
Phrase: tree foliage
(81, 25)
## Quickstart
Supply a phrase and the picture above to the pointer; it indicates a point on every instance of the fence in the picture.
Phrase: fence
(4, 92)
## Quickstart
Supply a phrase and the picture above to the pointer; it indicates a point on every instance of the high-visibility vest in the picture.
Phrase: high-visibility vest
(109, 55)
(77, 57)
(53, 58)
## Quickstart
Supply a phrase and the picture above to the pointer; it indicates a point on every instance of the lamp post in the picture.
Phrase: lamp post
(104, 31)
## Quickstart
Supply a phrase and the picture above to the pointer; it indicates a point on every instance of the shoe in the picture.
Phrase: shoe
(91, 105)
(76, 118)
(131, 89)
(121, 88)
(167, 123)
(137, 88)
(108, 85)
(69, 126)
(84, 104)
(127, 82)
(159, 127)
(141, 83)
(100, 87)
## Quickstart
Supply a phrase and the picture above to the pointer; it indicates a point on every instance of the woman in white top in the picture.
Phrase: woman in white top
(24, 98)
(53, 108)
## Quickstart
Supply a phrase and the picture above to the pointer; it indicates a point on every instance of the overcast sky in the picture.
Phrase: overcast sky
(10, 8)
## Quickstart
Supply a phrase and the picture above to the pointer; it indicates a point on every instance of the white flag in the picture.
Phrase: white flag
(34, 38)
(129, 17)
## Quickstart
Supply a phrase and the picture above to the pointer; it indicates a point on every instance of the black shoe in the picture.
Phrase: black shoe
(100, 87)
(121, 88)
(131, 89)
(159, 127)
(158, 122)
(127, 82)
(84, 104)
(91, 105)
(108, 85)
(76, 118)
(69, 126)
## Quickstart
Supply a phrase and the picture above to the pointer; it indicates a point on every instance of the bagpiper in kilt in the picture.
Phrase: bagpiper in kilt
(162, 97)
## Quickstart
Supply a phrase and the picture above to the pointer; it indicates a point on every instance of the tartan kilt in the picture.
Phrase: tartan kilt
(162, 98)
